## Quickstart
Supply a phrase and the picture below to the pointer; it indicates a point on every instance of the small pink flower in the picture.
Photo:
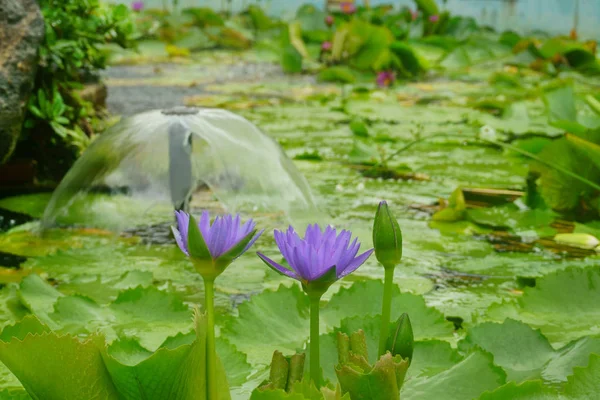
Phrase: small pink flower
(434, 18)
(348, 7)
(414, 14)
(326, 46)
(385, 78)
(329, 20)
(137, 6)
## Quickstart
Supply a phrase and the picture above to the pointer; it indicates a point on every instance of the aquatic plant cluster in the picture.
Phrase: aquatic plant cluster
(489, 291)
(317, 261)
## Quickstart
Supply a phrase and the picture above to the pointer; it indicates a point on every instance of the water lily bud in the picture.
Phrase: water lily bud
(387, 237)
(402, 340)
(581, 240)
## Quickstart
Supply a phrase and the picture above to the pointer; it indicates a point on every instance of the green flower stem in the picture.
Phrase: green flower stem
(386, 309)
(211, 352)
(315, 357)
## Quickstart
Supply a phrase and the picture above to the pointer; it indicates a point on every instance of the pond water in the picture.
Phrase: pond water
(455, 266)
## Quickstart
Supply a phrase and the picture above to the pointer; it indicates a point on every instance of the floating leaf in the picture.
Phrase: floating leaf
(529, 390)
(477, 369)
(561, 304)
(584, 384)
(517, 348)
(574, 354)
(349, 302)
(284, 311)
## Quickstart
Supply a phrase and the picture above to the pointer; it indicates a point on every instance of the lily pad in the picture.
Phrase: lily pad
(562, 305)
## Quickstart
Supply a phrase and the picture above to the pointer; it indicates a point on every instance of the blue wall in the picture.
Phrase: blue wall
(554, 16)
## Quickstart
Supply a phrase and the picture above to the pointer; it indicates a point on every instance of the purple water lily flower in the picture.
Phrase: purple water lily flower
(318, 254)
(137, 6)
(434, 18)
(326, 46)
(222, 239)
(329, 20)
(348, 7)
(385, 78)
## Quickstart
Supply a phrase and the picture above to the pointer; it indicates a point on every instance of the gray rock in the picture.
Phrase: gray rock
(21, 32)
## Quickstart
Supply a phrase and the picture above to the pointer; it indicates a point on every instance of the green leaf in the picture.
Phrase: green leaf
(593, 103)
(359, 128)
(349, 302)
(169, 373)
(430, 357)
(272, 320)
(517, 348)
(511, 217)
(589, 149)
(382, 381)
(150, 314)
(295, 37)
(374, 53)
(456, 59)
(455, 211)
(408, 57)
(574, 354)
(529, 390)
(28, 325)
(466, 380)
(584, 384)
(428, 7)
(234, 362)
(311, 18)
(339, 74)
(56, 367)
(38, 297)
(560, 104)
(146, 313)
(561, 192)
(291, 60)
(561, 304)
(14, 395)
(363, 153)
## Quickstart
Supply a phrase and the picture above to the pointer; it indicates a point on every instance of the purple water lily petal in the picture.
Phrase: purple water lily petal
(277, 266)
(220, 237)
(180, 242)
(254, 239)
(181, 233)
(354, 264)
(320, 250)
